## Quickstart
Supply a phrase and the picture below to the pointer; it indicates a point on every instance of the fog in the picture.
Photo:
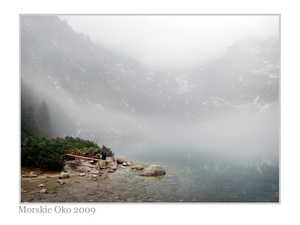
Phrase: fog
(173, 101)
(173, 41)
(234, 135)
(247, 138)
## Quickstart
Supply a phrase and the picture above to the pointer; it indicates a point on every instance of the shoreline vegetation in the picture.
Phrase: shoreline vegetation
(53, 159)
(51, 153)
(36, 182)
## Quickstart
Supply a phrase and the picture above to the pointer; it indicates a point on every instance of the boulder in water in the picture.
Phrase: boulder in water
(120, 160)
(153, 170)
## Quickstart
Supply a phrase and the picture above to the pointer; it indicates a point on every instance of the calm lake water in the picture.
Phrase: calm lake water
(191, 176)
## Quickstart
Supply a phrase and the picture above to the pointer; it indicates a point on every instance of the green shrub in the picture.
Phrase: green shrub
(50, 153)
(107, 151)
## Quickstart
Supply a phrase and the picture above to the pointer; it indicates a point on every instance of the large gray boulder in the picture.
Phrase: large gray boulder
(153, 170)
(120, 160)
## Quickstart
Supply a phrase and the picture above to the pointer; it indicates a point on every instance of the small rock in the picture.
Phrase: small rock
(23, 190)
(32, 174)
(60, 182)
(95, 176)
(127, 163)
(43, 191)
(41, 185)
(64, 175)
(82, 174)
(84, 169)
(114, 168)
(110, 170)
(137, 167)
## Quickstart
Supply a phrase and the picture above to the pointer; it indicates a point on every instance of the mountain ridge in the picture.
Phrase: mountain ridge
(112, 94)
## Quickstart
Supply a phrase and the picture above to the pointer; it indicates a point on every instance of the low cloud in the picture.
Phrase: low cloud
(173, 42)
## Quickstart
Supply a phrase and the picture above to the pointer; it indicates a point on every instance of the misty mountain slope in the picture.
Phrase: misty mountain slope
(245, 78)
(70, 64)
(92, 85)
(104, 92)
(249, 68)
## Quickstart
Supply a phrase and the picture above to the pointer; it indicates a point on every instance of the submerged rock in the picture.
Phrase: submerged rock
(120, 160)
(153, 170)
(137, 167)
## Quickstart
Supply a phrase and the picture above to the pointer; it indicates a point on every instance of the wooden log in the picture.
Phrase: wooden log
(86, 158)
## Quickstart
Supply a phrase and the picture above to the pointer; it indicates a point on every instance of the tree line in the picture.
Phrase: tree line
(38, 148)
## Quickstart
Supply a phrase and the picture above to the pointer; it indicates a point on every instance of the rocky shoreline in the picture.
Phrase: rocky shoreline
(84, 168)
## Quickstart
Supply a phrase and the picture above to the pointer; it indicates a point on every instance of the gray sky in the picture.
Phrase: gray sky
(166, 42)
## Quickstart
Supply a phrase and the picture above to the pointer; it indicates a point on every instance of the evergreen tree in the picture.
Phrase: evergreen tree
(43, 118)
(28, 123)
